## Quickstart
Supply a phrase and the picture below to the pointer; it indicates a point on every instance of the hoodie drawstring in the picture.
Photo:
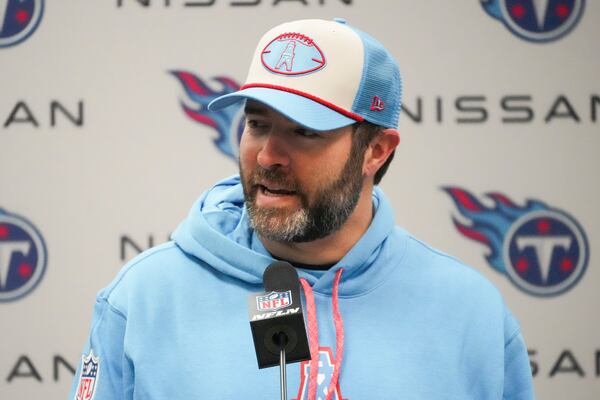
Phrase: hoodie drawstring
(313, 337)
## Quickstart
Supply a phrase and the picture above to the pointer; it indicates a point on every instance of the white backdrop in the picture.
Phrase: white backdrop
(127, 166)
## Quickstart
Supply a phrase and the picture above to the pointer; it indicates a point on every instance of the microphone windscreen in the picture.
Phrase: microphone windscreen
(280, 275)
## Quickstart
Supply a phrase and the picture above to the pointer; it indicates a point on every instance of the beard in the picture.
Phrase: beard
(313, 220)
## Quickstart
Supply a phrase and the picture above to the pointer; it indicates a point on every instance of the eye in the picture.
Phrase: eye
(254, 123)
(306, 133)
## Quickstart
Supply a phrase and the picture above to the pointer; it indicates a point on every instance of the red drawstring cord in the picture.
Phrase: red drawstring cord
(339, 335)
(313, 337)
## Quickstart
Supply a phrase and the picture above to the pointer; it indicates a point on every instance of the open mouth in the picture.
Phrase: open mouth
(267, 191)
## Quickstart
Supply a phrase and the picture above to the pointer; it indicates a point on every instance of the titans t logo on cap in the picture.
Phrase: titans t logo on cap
(323, 75)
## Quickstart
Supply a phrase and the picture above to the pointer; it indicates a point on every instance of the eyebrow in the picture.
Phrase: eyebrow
(252, 109)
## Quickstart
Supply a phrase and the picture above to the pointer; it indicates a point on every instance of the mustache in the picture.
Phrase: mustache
(275, 176)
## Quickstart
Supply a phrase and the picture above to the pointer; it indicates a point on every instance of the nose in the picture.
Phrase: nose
(273, 152)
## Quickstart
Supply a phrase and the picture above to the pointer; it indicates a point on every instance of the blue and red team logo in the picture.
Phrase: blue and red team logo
(22, 256)
(18, 20)
(274, 301)
(228, 122)
(542, 250)
(90, 368)
(292, 54)
(536, 20)
(326, 367)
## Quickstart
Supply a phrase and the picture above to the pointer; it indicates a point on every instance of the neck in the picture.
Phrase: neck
(334, 247)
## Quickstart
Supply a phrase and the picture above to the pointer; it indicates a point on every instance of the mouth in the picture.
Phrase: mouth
(273, 191)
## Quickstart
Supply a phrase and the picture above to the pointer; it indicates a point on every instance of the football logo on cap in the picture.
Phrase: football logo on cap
(292, 54)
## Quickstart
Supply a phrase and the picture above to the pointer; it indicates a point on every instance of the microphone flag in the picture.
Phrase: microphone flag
(276, 317)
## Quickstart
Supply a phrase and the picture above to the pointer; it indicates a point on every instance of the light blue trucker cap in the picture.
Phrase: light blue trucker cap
(323, 75)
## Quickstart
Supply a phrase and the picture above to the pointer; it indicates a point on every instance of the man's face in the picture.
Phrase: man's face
(299, 185)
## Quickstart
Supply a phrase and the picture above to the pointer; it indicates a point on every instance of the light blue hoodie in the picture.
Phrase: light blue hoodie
(418, 324)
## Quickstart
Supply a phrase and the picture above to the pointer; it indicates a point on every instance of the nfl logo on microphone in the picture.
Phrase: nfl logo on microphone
(273, 301)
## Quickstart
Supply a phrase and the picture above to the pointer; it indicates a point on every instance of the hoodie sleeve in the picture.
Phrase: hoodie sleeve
(518, 383)
(104, 371)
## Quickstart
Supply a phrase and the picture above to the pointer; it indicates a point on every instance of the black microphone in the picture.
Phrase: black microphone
(276, 317)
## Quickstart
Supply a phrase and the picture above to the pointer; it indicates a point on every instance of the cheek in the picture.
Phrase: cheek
(318, 173)
(332, 163)
(248, 151)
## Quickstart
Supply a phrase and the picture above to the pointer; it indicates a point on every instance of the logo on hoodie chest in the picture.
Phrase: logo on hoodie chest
(326, 368)
(227, 123)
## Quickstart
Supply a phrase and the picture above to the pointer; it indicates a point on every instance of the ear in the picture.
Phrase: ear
(379, 150)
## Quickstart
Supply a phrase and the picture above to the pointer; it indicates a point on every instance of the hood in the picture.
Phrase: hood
(217, 231)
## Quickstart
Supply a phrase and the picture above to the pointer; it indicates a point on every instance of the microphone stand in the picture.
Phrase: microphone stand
(282, 340)
(282, 377)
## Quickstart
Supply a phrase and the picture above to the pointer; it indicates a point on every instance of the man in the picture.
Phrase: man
(389, 317)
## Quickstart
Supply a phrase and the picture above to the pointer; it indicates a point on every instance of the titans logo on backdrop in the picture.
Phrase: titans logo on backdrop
(536, 20)
(18, 20)
(23, 256)
(229, 122)
(544, 251)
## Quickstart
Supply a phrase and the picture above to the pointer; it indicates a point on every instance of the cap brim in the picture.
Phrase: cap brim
(299, 109)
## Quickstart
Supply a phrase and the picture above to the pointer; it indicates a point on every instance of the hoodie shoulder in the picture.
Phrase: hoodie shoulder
(448, 280)
(450, 266)
(144, 270)
(450, 274)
